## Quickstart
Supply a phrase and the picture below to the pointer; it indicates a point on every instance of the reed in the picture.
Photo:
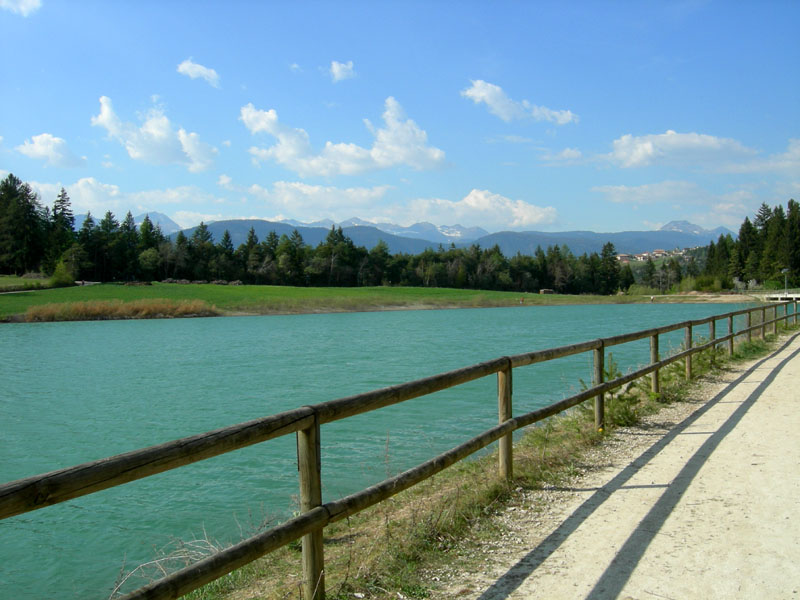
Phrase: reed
(92, 310)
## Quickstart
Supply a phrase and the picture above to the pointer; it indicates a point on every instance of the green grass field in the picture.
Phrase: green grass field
(262, 299)
(10, 283)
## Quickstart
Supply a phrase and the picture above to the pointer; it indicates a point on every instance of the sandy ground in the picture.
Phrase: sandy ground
(700, 501)
(707, 297)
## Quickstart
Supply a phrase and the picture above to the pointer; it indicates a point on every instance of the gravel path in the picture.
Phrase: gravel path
(701, 500)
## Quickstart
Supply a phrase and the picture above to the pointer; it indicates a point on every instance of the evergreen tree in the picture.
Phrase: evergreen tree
(626, 278)
(774, 257)
(180, 257)
(128, 249)
(792, 236)
(201, 252)
(23, 227)
(650, 273)
(150, 236)
(61, 234)
(609, 270)
(224, 263)
(87, 238)
(748, 242)
(108, 248)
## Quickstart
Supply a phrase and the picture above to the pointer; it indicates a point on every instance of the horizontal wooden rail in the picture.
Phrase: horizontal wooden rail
(32, 493)
(342, 408)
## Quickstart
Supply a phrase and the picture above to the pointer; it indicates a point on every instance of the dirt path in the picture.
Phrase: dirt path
(700, 501)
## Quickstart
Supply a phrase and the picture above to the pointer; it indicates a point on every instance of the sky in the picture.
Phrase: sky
(547, 116)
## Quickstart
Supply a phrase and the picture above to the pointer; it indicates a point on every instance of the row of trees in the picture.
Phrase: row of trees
(31, 236)
(767, 249)
(35, 237)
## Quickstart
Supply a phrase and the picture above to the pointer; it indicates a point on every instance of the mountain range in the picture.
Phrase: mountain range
(418, 237)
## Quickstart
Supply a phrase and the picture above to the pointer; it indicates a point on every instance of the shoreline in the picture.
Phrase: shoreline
(66, 311)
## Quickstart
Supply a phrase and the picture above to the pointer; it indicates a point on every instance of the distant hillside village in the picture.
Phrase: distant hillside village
(657, 254)
(36, 238)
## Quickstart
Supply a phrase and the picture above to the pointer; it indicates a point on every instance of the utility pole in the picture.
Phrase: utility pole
(785, 287)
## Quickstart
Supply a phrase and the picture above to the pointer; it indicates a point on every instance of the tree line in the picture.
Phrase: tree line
(34, 237)
(767, 251)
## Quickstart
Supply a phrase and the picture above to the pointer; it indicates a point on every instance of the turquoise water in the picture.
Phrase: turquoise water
(76, 392)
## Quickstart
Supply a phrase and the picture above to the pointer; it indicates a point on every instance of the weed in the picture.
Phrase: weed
(386, 550)
(116, 309)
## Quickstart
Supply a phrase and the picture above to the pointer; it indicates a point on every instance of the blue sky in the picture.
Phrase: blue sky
(606, 116)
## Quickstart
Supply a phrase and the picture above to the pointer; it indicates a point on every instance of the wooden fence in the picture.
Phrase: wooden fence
(32, 493)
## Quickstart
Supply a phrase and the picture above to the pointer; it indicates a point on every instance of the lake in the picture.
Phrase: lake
(76, 392)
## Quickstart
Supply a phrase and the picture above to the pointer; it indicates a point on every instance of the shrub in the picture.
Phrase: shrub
(62, 276)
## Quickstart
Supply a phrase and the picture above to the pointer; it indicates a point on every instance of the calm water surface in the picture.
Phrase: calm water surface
(75, 392)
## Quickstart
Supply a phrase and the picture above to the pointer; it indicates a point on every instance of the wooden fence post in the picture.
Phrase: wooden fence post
(505, 443)
(749, 324)
(308, 463)
(795, 312)
(599, 400)
(687, 341)
(654, 386)
(775, 320)
(712, 333)
(730, 333)
(763, 322)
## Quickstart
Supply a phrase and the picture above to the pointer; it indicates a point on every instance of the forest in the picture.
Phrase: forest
(34, 237)
(766, 252)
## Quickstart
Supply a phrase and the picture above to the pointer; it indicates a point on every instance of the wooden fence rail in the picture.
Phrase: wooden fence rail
(32, 493)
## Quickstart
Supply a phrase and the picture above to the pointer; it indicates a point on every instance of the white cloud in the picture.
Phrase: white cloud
(708, 209)
(483, 208)
(675, 148)
(652, 193)
(224, 181)
(502, 106)
(89, 194)
(399, 142)
(21, 7)
(341, 71)
(515, 139)
(155, 141)
(786, 162)
(728, 209)
(200, 154)
(315, 202)
(197, 71)
(567, 155)
(86, 194)
(788, 189)
(190, 218)
(51, 149)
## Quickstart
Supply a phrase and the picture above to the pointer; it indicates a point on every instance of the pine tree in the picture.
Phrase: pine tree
(609, 269)
(650, 273)
(626, 278)
(149, 235)
(792, 234)
(87, 238)
(23, 227)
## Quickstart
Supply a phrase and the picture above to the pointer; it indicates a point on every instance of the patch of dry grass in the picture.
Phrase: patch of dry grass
(92, 310)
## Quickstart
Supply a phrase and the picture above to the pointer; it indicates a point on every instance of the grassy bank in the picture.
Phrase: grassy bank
(95, 310)
(262, 299)
(389, 550)
(13, 283)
